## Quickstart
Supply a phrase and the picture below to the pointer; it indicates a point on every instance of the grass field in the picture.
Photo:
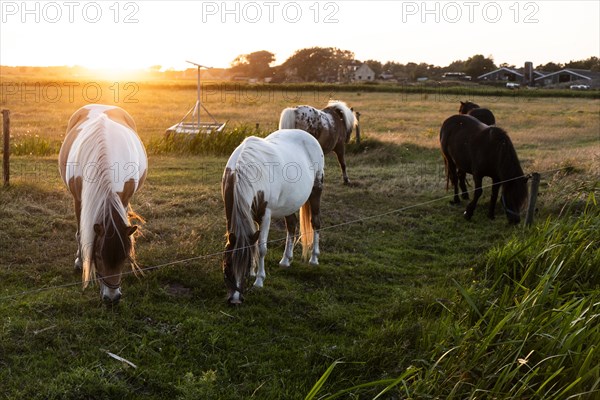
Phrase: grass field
(398, 262)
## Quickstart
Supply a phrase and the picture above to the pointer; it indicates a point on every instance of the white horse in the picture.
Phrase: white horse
(103, 163)
(331, 126)
(270, 178)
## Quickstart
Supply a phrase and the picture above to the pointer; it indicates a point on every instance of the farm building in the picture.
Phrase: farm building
(525, 76)
(568, 76)
(528, 76)
(364, 74)
(502, 75)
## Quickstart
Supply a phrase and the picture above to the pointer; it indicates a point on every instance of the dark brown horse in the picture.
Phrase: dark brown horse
(475, 148)
(482, 114)
(331, 126)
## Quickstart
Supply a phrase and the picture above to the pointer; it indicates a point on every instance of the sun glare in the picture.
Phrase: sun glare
(116, 74)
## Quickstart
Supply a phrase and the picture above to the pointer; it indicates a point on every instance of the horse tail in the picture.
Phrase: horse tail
(443, 134)
(306, 230)
(287, 120)
(447, 167)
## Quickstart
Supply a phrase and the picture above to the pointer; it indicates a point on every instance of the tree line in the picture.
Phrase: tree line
(330, 64)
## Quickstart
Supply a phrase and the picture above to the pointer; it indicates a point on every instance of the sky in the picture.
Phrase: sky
(140, 34)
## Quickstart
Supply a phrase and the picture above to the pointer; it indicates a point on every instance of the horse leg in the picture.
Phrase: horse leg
(452, 176)
(315, 209)
(493, 199)
(262, 248)
(291, 223)
(78, 262)
(476, 195)
(340, 151)
(462, 179)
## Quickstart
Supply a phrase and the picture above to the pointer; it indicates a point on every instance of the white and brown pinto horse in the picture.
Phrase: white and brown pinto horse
(270, 178)
(103, 163)
(331, 126)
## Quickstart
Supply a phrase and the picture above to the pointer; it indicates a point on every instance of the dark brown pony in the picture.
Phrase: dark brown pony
(475, 148)
(331, 126)
(482, 114)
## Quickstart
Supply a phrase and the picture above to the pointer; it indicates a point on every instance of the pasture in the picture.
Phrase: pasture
(396, 256)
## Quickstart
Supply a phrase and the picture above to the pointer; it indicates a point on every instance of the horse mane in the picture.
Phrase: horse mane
(510, 167)
(349, 118)
(99, 204)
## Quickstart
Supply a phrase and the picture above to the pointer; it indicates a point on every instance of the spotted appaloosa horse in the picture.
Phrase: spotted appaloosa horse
(103, 163)
(481, 150)
(331, 126)
(264, 179)
(482, 114)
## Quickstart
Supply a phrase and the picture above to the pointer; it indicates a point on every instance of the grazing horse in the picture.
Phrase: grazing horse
(475, 148)
(103, 163)
(332, 127)
(482, 114)
(270, 178)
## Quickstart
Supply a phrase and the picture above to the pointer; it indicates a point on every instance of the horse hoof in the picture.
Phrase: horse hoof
(258, 283)
(313, 262)
(285, 264)
(234, 302)
(78, 265)
(465, 196)
(467, 216)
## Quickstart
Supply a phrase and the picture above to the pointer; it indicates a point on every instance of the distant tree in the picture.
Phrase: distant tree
(479, 65)
(592, 63)
(456, 66)
(254, 65)
(549, 67)
(422, 70)
(318, 63)
(394, 68)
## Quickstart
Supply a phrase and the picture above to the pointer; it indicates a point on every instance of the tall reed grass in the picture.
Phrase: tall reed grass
(219, 144)
(528, 327)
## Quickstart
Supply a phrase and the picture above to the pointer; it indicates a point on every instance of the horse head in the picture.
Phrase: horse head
(346, 115)
(514, 199)
(237, 263)
(113, 247)
(467, 106)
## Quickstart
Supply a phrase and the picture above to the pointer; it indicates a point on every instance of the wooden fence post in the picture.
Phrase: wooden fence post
(6, 148)
(535, 183)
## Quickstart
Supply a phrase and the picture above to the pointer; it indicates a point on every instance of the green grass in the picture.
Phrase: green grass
(403, 284)
(526, 327)
(381, 296)
(173, 323)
